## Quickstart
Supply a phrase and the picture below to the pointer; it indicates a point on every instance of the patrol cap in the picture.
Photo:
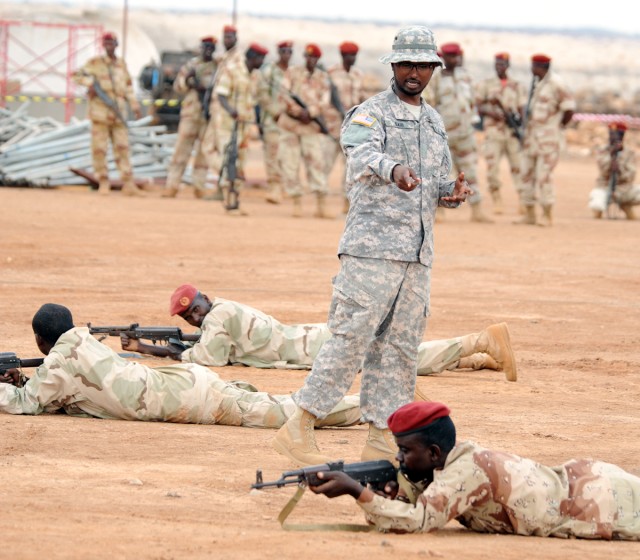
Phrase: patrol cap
(415, 43)
(182, 298)
(415, 416)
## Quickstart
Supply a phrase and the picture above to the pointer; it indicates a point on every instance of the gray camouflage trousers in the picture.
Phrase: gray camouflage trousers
(377, 318)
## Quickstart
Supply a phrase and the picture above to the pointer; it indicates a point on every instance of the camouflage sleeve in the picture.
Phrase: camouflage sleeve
(323, 99)
(44, 392)
(180, 83)
(84, 76)
(224, 83)
(603, 159)
(213, 348)
(628, 167)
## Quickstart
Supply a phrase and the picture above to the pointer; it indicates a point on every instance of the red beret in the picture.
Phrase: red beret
(618, 125)
(209, 39)
(109, 36)
(285, 44)
(313, 50)
(229, 29)
(255, 47)
(349, 48)
(502, 56)
(415, 415)
(182, 299)
(451, 48)
(543, 58)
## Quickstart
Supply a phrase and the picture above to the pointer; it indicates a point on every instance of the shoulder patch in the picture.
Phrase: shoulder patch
(363, 119)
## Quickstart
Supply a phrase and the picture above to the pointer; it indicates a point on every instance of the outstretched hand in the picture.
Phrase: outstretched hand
(405, 178)
(460, 191)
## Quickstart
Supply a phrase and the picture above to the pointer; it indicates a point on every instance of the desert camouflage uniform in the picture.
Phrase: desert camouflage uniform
(350, 91)
(499, 139)
(625, 192)
(543, 139)
(381, 294)
(300, 140)
(269, 86)
(113, 77)
(192, 125)
(86, 378)
(494, 492)
(234, 333)
(453, 97)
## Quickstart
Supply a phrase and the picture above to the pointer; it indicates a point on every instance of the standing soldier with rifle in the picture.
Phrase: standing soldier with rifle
(306, 94)
(195, 79)
(269, 83)
(550, 109)
(500, 103)
(236, 94)
(348, 83)
(617, 171)
(109, 90)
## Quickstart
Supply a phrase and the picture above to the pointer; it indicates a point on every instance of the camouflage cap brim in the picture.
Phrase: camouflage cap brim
(412, 55)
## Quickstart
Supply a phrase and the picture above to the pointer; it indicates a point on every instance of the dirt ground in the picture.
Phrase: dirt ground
(79, 488)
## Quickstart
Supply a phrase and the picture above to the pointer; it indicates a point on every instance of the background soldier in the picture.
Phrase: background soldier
(348, 83)
(500, 98)
(300, 131)
(549, 110)
(271, 106)
(195, 79)
(108, 83)
(616, 173)
(450, 92)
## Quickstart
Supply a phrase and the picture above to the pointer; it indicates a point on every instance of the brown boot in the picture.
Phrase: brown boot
(104, 188)
(547, 219)
(529, 217)
(169, 192)
(321, 208)
(380, 445)
(628, 211)
(478, 361)
(131, 189)
(496, 196)
(495, 341)
(297, 207)
(477, 215)
(597, 214)
(274, 196)
(297, 441)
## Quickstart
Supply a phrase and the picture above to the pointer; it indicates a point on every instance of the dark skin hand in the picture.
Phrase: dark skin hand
(135, 345)
(407, 180)
(338, 483)
(11, 376)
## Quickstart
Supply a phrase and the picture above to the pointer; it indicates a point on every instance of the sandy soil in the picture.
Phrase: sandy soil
(78, 488)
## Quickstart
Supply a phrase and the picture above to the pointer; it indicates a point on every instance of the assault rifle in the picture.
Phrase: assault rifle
(613, 180)
(512, 118)
(318, 120)
(230, 169)
(9, 360)
(168, 335)
(112, 104)
(368, 472)
(527, 109)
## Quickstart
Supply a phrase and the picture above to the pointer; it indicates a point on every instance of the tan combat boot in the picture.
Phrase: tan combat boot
(477, 215)
(529, 217)
(495, 341)
(547, 219)
(628, 211)
(170, 192)
(321, 207)
(297, 441)
(496, 196)
(478, 361)
(297, 207)
(274, 196)
(131, 189)
(597, 214)
(104, 188)
(380, 445)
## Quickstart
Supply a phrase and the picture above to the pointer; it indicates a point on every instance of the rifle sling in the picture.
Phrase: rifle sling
(293, 502)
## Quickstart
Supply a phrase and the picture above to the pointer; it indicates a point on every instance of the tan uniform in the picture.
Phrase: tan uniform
(494, 492)
(543, 139)
(625, 192)
(113, 77)
(499, 139)
(193, 123)
(299, 140)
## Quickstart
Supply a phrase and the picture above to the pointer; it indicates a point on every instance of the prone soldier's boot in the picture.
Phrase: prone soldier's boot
(496, 196)
(547, 218)
(321, 207)
(628, 211)
(529, 217)
(104, 187)
(495, 341)
(478, 361)
(297, 441)
(380, 445)
(478, 216)
(297, 207)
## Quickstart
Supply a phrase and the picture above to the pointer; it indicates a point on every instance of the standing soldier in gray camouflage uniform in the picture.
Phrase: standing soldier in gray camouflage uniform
(234, 333)
(490, 491)
(269, 85)
(450, 92)
(398, 165)
(110, 74)
(494, 97)
(85, 378)
(550, 109)
(195, 79)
